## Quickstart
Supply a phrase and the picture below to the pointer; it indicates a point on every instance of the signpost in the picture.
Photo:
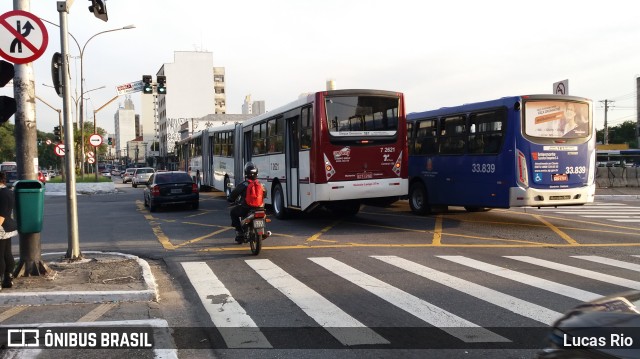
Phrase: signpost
(95, 140)
(20, 41)
(130, 87)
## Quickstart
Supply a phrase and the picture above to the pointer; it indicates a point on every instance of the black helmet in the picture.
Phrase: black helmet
(250, 171)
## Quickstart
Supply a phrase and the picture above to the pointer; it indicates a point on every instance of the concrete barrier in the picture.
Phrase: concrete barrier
(617, 177)
(81, 188)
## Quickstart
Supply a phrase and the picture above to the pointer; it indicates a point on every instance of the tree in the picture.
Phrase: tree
(622, 133)
(7, 142)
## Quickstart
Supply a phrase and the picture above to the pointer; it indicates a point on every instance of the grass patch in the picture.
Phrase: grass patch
(88, 178)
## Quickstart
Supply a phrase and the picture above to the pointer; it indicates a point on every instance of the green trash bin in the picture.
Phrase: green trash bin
(29, 211)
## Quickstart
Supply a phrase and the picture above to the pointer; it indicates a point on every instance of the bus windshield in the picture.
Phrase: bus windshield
(362, 116)
(556, 119)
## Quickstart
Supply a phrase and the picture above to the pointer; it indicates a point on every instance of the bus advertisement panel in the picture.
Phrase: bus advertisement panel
(536, 150)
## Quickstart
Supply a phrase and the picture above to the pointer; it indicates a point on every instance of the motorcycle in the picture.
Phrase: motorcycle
(253, 226)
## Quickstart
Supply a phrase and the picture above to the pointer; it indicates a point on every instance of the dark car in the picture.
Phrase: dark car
(167, 188)
(11, 176)
(603, 328)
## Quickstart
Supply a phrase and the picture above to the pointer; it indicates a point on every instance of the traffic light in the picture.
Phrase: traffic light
(56, 72)
(7, 104)
(147, 88)
(99, 9)
(109, 141)
(56, 133)
(162, 89)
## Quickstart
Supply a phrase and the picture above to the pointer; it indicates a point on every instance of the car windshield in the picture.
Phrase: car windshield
(144, 170)
(172, 178)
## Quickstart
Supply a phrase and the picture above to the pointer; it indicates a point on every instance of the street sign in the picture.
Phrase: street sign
(131, 87)
(95, 140)
(561, 87)
(90, 154)
(91, 160)
(59, 150)
(48, 142)
(23, 37)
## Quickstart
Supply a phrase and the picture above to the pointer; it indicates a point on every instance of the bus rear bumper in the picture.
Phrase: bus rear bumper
(533, 197)
(373, 188)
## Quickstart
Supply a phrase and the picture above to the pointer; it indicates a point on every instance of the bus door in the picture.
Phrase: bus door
(292, 161)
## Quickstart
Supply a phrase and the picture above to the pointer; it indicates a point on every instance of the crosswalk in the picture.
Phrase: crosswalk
(513, 286)
(615, 212)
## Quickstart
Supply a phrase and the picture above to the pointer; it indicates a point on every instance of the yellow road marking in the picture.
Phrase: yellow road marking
(556, 230)
(437, 231)
(97, 312)
(11, 312)
(322, 231)
(203, 237)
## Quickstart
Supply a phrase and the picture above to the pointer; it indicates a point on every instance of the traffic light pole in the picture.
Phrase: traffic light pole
(73, 248)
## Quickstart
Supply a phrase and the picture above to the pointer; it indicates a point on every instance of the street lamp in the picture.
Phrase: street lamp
(82, 88)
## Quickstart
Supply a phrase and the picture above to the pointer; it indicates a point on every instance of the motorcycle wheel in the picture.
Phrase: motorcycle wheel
(256, 244)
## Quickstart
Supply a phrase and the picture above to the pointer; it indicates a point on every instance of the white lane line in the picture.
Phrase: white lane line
(508, 302)
(341, 325)
(578, 271)
(436, 316)
(527, 279)
(627, 220)
(235, 325)
(611, 262)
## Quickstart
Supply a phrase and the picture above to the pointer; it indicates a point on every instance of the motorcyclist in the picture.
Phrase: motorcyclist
(241, 209)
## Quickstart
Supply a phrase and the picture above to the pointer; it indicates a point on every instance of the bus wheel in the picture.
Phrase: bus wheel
(278, 202)
(418, 199)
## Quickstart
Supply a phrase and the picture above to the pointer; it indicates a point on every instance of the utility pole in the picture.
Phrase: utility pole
(638, 112)
(606, 126)
(30, 262)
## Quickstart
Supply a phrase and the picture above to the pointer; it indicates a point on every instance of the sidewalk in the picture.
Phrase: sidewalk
(100, 277)
(618, 193)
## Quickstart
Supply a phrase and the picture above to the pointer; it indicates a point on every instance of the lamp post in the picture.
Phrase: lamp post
(82, 88)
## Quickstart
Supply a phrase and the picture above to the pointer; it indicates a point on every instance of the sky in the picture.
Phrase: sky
(438, 53)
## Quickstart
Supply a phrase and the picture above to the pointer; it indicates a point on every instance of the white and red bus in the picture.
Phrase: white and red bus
(333, 148)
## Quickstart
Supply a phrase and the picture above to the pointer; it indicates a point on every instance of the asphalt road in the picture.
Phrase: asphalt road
(384, 283)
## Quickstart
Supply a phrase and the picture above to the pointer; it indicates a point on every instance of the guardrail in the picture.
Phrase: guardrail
(617, 177)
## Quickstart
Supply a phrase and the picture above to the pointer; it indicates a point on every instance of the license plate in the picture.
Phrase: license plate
(258, 223)
(560, 178)
(176, 191)
(364, 175)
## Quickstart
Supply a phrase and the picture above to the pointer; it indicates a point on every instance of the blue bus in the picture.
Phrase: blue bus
(535, 150)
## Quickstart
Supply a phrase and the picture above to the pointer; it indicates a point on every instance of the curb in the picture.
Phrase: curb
(618, 197)
(74, 297)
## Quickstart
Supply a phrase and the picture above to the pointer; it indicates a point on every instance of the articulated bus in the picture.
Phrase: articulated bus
(333, 148)
(536, 150)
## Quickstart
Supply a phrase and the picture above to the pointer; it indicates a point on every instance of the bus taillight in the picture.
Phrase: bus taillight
(523, 176)
(398, 165)
(328, 168)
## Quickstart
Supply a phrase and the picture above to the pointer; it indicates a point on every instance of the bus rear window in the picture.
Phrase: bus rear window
(556, 119)
(362, 116)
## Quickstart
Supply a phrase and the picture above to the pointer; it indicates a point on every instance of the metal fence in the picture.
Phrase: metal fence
(617, 177)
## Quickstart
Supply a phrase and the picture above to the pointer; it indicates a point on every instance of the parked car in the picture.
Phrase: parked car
(168, 188)
(106, 173)
(11, 176)
(600, 328)
(128, 175)
(141, 176)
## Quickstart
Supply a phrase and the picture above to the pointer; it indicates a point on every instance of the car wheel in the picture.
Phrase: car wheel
(134, 185)
(195, 205)
(152, 207)
(146, 204)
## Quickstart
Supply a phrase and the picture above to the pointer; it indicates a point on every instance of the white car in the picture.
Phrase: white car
(141, 176)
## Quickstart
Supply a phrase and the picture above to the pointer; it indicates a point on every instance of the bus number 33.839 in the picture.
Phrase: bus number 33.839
(483, 167)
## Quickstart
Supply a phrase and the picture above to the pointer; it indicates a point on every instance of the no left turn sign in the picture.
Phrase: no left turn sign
(23, 37)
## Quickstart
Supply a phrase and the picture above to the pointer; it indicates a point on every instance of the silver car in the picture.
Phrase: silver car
(128, 175)
(141, 176)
